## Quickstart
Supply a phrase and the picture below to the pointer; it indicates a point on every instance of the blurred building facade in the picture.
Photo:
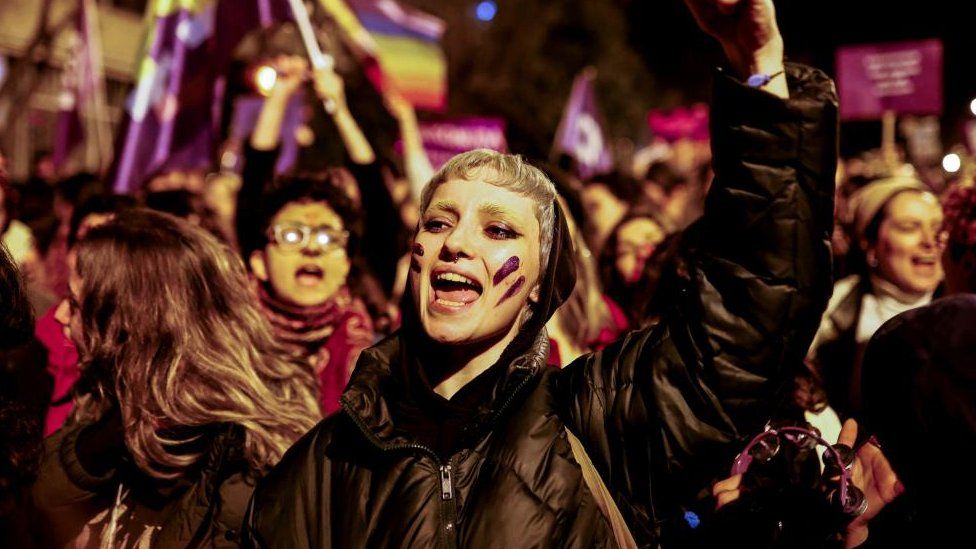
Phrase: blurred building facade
(35, 44)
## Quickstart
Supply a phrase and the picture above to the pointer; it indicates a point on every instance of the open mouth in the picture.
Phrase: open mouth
(925, 261)
(309, 275)
(454, 290)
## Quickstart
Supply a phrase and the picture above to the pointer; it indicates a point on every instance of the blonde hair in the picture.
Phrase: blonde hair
(171, 330)
(508, 171)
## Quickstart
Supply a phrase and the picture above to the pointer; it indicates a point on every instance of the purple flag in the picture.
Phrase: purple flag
(82, 84)
(581, 132)
(245, 117)
(173, 114)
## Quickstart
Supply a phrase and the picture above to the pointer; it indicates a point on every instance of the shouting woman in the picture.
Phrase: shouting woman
(453, 432)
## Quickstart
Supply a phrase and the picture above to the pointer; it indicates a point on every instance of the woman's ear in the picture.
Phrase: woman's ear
(870, 254)
(258, 265)
(534, 294)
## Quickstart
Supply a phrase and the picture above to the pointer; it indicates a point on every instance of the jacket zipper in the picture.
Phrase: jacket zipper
(448, 506)
(445, 470)
(448, 503)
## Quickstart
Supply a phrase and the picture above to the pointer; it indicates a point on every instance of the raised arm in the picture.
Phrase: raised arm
(330, 87)
(675, 399)
(416, 164)
(261, 150)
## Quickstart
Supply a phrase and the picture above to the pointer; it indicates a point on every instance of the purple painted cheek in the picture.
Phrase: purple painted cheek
(512, 290)
(414, 265)
(418, 250)
(508, 268)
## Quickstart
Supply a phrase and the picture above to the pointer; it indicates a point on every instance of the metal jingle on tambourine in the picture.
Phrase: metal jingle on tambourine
(765, 448)
(846, 454)
(855, 505)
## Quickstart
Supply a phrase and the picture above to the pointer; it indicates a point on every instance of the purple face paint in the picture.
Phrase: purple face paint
(418, 250)
(508, 268)
(414, 265)
(512, 290)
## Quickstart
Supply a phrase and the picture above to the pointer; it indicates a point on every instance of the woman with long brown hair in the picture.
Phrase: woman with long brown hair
(185, 398)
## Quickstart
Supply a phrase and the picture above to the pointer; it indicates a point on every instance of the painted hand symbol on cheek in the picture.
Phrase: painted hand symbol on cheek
(507, 269)
(418, 251)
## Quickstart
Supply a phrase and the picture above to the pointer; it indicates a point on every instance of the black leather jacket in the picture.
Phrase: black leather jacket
(661, 412)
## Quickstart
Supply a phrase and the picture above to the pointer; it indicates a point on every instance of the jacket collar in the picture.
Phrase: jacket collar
(371, 395)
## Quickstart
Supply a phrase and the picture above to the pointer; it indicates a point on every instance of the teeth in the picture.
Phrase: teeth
(454, 277)
(450, 303)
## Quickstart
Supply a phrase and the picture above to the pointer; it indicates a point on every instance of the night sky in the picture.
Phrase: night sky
(665, 35)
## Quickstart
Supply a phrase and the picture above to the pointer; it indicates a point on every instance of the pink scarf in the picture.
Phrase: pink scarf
(328, 336)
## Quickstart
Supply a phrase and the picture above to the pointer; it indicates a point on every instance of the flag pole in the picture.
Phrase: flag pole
(319, 60)
(103, 128)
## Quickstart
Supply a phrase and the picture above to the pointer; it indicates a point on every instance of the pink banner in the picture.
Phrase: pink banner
(444, 139)
(904, 77)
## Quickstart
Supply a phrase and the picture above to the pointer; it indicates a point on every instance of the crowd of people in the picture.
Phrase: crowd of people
(362, 351)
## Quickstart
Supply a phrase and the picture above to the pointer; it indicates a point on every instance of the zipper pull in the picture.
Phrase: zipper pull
(447, 488)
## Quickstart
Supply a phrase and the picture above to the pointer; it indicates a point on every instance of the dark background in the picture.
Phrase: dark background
(650, 54)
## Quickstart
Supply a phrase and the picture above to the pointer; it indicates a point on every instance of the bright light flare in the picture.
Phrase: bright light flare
(265, 78)
(951, 162)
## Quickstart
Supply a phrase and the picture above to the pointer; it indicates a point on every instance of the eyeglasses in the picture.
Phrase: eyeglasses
(294, 236)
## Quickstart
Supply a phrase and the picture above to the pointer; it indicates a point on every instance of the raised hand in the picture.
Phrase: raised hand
(292, 72)
(330, 86)
(748, 33)
(873, 475)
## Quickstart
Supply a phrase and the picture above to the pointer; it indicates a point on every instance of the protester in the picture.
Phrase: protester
(959, 259)
(20, 432)
(589, 320)
(454, 432)
(897, 227)
(606, 199)
(62, 356)
(185, 398)
(919, 393)
(633, 263)
(69, 193)
(16, 236)
(301, 273)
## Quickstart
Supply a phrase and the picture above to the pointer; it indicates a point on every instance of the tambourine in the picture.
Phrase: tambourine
(838, 459)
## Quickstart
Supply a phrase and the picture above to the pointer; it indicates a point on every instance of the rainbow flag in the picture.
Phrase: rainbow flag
(406, 43)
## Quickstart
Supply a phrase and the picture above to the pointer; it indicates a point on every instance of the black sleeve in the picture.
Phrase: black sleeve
(381, 223)
(667, 405)
(257, 175)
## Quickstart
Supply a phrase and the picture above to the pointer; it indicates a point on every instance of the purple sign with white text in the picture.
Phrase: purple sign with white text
(903, 77)
(445, 138)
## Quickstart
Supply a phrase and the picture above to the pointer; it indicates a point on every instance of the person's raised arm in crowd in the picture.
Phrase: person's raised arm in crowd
(678, 397)
(261, 150)
(416, 164)
(330, 88)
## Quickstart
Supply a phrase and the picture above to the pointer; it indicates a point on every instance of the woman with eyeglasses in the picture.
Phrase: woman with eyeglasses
(301, 271)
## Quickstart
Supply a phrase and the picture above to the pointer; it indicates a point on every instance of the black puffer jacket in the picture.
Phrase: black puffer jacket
(660, 412)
